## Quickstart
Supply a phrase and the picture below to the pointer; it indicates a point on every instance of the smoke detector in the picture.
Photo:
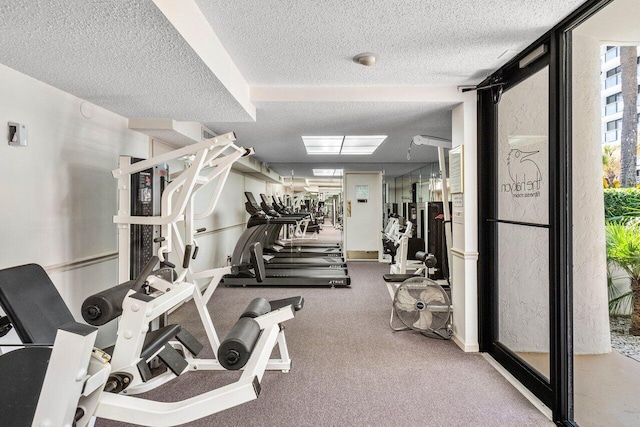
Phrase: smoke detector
(367, 58)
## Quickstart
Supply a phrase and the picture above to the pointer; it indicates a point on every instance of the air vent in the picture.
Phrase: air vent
(206, 134)
(172, 132)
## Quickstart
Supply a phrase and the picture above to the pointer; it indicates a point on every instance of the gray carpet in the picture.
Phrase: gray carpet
(350, 369)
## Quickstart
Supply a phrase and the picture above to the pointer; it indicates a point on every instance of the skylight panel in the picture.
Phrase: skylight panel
(347, 145)
(361, 144)
(322, 144)
(327, 172)
(323, 172)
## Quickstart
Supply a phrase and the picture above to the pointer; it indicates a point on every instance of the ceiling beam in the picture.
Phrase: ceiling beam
(188, 20)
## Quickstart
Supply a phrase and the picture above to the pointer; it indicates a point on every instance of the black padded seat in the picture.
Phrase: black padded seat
(398, 278)
(157, 339)
(32, 303)
(23, 373)
(296, 302)
(154, 340)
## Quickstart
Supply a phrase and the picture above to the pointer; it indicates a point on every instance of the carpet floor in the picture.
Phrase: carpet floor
(351, 369)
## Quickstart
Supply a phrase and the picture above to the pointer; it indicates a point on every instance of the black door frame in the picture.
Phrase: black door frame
(557, 393)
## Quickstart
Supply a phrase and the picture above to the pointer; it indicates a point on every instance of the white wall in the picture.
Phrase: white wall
(58, 195)
(224, 226)
(591, 316)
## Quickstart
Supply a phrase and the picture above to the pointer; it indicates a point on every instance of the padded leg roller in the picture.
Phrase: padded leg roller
(235, 350)
(257, 308)
(105, 306)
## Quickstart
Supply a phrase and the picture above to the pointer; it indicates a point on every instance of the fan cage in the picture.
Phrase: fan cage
(424, 306)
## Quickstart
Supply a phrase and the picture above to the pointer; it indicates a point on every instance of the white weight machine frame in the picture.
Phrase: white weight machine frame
(134, 324)
(77, 374)
(205, 154)
(392, 229)
(208, 164)
(441, 144)
(402, 264)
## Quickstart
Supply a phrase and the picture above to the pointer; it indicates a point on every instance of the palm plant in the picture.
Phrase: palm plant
(610, 163)
(619, 301)
(623, 250)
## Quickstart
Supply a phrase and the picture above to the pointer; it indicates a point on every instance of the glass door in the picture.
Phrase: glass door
(517, 227)
(527, 151)
(522, 222)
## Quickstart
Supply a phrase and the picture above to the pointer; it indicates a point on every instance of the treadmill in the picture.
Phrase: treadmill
(271, 244)
(277, 208)
(312, 225)
(262, 228)
(281, 209)
(299, 271)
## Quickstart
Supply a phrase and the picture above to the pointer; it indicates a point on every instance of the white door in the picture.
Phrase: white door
(363, 215)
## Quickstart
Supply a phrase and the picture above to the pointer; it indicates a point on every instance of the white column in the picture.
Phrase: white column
(591, 318)
(465, 233)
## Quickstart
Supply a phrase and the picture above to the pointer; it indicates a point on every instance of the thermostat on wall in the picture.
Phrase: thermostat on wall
(17, 134)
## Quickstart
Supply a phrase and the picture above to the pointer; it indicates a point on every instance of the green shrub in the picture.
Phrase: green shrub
(621, 204)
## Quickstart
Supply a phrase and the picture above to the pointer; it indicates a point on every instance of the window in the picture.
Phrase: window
(617, 97)
(614, 71)
(614, 124)
(611, 53)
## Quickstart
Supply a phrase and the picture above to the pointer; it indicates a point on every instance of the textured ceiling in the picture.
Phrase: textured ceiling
(125, 56)
(276, 133)
(122, 55)
(420, 42)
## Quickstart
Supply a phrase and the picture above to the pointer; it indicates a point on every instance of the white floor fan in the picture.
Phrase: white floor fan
(424, 306)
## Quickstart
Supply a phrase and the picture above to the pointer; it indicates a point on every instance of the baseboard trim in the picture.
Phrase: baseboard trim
(467, 256)
(521, 388)
(466, 347)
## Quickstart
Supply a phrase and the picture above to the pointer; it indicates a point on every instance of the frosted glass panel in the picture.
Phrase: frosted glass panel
(523, 198)
(523, 298)
(523, 139)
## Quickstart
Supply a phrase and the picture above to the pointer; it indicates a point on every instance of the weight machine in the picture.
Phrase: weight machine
(51, 392)
(65, 381)
(208, 162)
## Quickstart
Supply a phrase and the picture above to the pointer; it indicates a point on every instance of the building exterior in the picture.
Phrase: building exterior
(612, 104)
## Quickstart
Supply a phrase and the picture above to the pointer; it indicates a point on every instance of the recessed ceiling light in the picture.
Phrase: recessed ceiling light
(361, 144)
(366, 58)
(338, 144)
(327, 172)
(322, 144)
